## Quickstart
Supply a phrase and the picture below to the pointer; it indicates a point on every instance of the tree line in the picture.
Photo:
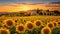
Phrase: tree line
(35, 12)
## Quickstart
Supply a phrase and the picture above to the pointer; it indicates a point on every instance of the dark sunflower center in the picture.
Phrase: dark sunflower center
(38, 23)
(46, 31)
(20, 28)
(30, 26)
(15, 20)
(0, 21)
(50, 25)
(59, 23)
(54, 24)
(4, 32)
(24, 20)
(9, 23)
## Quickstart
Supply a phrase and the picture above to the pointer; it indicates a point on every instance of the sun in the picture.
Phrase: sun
(25, 8)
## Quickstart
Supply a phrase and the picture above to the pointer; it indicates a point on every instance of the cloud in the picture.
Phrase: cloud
(46, 4)
(6, 2)
(41, 5)
(53, 5)
(54, 2)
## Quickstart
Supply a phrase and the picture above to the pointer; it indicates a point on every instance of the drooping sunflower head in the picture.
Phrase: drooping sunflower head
(46, 30)
(9, 23)
(37, 23)
(4, 31)
(20, 28)
(29, 25)
(50, 25)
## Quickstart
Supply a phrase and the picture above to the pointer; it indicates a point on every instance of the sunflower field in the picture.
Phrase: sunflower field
(30, 25)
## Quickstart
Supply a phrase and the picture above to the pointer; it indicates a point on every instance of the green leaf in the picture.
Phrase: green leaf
(55, 31)
(13, 30)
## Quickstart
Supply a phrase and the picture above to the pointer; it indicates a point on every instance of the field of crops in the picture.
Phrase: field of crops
(30, 25)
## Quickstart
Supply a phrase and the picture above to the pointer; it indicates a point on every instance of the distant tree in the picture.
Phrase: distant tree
(48, 12)
(40, 13)
(37, 10)
(56, 12)
(1, 15)
(21, 13)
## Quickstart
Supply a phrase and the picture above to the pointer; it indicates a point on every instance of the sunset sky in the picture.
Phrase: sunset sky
(19, 5)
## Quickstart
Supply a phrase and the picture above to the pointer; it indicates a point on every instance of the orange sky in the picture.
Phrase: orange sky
(20, 7)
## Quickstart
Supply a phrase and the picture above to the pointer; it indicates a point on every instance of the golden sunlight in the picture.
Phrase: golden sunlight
(25, 8)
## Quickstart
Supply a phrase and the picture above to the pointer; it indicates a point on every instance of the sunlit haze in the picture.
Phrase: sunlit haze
(21, 5)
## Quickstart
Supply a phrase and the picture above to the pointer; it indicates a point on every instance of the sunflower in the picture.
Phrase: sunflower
(9, 23)
(50, 25)
(37, 23)
(59, 24)
(20, 28)
(24, 20)
(16, 20)
(32, 20)
(4, 31)
(29, 25)
(46, 30)
(1, 21)
(55, 23)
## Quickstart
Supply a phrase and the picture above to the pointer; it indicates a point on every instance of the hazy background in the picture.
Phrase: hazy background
(19, 5)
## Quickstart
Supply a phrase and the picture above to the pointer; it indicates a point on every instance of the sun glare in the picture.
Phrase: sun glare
(25, 8)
